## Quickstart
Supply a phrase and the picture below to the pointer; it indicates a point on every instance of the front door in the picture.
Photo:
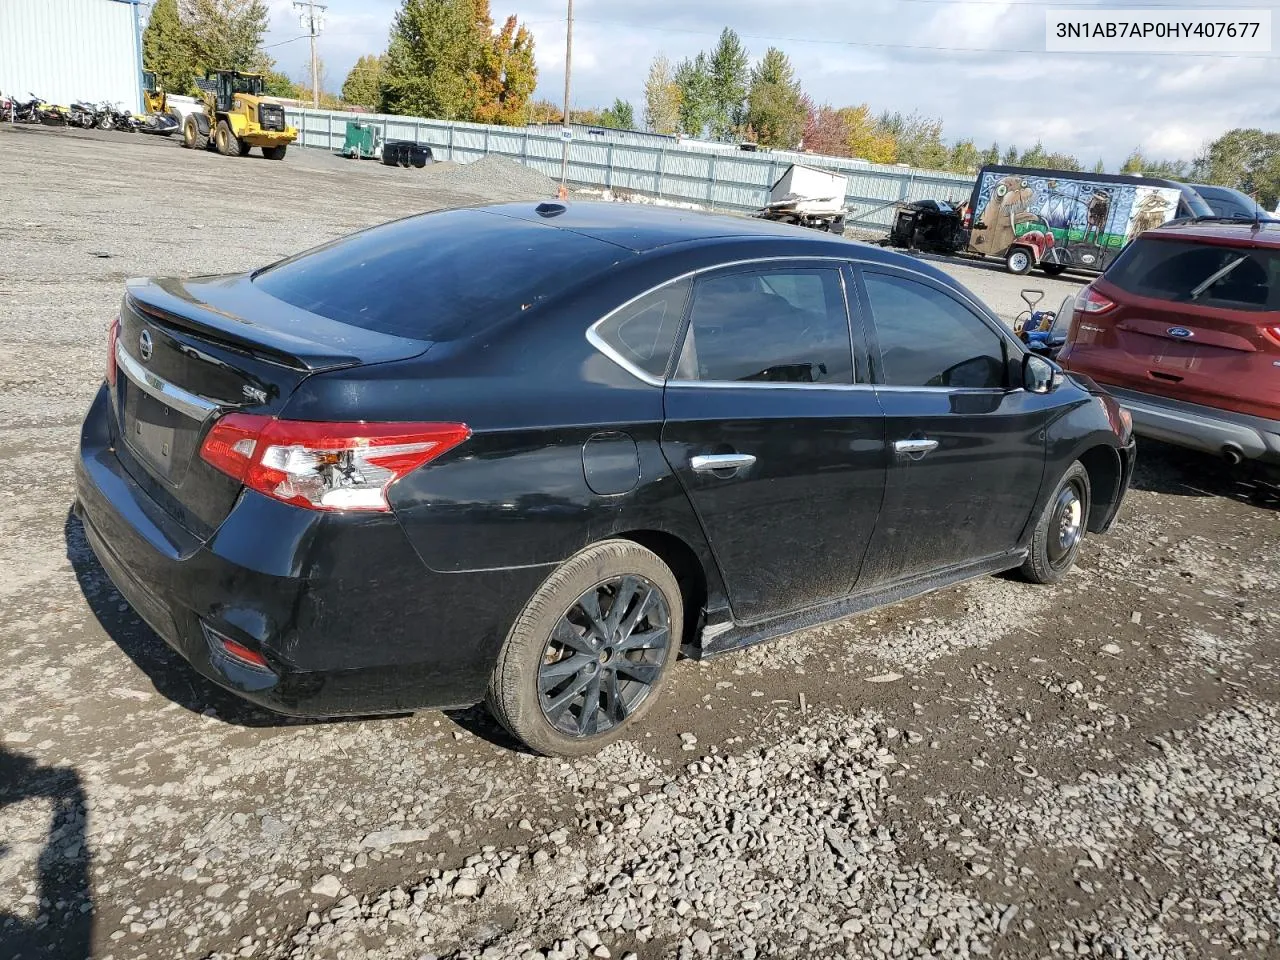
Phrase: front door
(966, 447)
(780, 452)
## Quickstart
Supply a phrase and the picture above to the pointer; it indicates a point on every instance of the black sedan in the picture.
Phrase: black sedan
(528, 454)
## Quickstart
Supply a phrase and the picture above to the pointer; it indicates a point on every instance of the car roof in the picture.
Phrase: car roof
(1233, 233)
(642, 227)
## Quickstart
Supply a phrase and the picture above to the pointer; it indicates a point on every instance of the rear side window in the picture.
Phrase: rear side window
(1183, 271)
(930, 339)
(644, 331)
(786, 325)
(438, 277)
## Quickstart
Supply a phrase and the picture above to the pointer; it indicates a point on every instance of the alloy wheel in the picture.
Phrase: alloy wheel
(604, 656)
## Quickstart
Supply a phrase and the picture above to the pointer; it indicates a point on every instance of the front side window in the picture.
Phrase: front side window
(930, 339)
(782, 325)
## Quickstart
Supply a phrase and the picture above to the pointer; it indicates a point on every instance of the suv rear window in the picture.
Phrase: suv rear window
(1237, 278)
(437, 277)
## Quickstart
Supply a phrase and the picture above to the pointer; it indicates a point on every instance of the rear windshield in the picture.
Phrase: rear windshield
(1238, 278)
(437, 277)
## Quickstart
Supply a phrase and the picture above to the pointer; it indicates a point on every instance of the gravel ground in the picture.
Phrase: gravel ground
(996, 769)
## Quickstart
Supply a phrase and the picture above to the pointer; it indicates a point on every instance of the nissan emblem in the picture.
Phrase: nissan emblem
(145, 345)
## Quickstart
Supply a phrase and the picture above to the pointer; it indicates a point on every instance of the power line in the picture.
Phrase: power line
(314, 25)
(914, 46)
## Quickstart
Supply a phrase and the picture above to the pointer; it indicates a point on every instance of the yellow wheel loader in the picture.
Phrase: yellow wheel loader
(236, 118)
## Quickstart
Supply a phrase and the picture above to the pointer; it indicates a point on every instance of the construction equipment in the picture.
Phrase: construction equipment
(236, 118)
(160, 103)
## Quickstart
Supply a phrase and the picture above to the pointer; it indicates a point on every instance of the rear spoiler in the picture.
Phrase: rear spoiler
(230, 311)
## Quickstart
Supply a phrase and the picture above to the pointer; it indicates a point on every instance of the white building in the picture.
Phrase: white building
(68, 50)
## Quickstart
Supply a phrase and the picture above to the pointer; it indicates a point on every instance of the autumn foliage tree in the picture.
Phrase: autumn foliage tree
(445, 60)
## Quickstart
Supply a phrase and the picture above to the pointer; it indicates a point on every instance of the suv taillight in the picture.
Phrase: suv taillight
(1090, 300)
(113, 337)
(323, 465)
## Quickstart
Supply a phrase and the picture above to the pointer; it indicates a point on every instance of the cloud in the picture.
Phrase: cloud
(880, 52)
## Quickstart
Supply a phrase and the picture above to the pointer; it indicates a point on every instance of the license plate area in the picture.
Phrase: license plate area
(158, 435)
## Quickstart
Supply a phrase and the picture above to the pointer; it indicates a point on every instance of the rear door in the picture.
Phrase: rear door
(1192, 320)
(779, 449)
(967, 448)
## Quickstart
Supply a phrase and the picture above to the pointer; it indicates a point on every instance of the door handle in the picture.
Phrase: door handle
(715, 462)
(915, 449)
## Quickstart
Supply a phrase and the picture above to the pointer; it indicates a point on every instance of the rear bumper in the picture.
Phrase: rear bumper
(1207, 429)
(349, 618)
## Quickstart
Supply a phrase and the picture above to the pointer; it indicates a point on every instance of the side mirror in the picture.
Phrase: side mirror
(1040, 375)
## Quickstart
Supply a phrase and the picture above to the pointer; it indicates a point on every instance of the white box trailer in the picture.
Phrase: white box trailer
(808, 197)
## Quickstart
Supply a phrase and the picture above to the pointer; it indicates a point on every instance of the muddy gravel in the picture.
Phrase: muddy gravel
(994, 770)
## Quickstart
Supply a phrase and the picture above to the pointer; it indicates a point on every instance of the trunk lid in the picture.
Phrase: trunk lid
(1171, 334)
(190, 351)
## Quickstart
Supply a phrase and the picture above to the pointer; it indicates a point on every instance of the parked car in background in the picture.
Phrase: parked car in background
(1061, 219)
(528, 453)
(1184, 329)
(1230, 203)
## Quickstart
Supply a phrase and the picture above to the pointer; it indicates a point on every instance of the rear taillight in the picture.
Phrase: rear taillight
(1090, 300)
(1272, 334)
(113, 337)
(325, 466)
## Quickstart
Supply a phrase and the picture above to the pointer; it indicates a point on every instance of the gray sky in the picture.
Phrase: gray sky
(950, 59)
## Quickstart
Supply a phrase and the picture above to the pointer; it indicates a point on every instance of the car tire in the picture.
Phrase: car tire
(1060, 528)
(1019, 260)
(568, 651)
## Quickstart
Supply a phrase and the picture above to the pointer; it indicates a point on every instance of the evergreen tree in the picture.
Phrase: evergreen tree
(693, 79)
(776, 107)
(620, 116)
(167, 49)
(727, 67)
(361, 85)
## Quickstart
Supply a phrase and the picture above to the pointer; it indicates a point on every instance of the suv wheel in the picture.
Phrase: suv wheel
(587, 656)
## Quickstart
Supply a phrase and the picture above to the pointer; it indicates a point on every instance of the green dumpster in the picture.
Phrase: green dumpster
(362, 140)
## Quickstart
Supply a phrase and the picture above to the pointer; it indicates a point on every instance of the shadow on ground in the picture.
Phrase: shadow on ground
(60, 923)
(1185, 473)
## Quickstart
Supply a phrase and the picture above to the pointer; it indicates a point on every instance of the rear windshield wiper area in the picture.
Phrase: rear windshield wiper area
(1214, 277)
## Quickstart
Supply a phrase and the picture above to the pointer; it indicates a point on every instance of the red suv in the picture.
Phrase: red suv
(1184, 330)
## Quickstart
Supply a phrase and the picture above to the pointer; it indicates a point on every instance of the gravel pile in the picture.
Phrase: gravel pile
(497, 179)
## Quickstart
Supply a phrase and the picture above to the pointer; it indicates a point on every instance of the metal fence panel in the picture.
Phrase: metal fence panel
(720, 177)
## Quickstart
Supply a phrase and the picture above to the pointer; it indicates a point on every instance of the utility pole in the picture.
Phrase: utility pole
(568, 71)
(313, 24)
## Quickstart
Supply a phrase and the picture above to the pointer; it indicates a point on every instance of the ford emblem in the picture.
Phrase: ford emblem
(144, 345)
(1180, 332)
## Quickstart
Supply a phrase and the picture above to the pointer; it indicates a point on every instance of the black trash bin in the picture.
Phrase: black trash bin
(405, 153)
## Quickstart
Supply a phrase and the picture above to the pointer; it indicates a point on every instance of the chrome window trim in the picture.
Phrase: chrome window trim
(597, 341)
(600, 344)
(767, 385)
(185, 402)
